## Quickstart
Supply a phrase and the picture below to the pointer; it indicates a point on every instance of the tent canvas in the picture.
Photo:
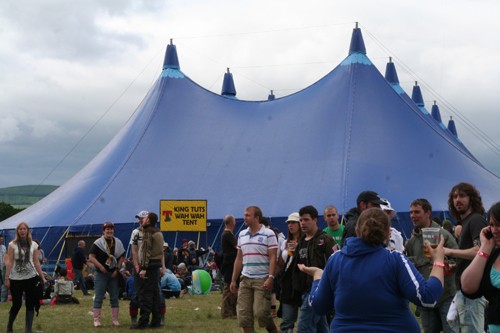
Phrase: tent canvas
(350, 131)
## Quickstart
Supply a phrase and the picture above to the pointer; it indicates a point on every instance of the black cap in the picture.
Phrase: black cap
(370, 196)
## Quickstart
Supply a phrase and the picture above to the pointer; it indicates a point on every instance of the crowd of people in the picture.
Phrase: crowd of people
(355, 274)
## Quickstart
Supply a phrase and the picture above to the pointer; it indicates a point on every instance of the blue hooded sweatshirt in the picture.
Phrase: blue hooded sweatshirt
(370, 288)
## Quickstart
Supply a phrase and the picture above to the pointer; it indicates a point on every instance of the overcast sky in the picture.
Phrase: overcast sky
(73, 72)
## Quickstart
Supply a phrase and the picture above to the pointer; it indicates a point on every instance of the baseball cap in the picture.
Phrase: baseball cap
(370, 196)
(141, 214)
(294, 217)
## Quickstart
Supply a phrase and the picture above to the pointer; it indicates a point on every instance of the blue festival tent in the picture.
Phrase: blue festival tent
(353, 130)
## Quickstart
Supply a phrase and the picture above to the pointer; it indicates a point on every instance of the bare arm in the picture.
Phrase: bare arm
(38, 267)
(467, 254)
(437, 255)
(8, 265)
(135, 254)
(268, 284)
(473, 274)
(238, 264)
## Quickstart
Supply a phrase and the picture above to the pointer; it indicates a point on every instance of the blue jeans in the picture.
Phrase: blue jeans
(79, 281)
(470, 313)
(433, 318)
(309, 321)
(103, 282)
(289, 314)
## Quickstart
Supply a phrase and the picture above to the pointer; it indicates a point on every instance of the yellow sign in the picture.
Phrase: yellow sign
(183, 215)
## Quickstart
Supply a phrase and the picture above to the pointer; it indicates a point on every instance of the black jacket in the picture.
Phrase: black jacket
(487, 290)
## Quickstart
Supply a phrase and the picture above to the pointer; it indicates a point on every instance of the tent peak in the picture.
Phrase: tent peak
(416, 95)
(435, 112)
(451, 127)
(228, 88)
(390, 72)
(271, 96)
(357, 43)
(171, 60)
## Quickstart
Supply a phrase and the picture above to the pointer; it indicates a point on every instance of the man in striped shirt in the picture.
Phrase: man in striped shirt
(256, 261)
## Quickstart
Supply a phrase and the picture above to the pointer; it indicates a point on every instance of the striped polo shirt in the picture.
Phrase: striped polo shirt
(255, 251)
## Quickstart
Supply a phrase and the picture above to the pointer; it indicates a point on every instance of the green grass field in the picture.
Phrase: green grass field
(190, 313)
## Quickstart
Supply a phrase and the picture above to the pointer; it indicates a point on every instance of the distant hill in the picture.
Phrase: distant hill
(26, 195)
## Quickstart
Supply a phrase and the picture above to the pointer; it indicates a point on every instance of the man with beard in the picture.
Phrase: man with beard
(465, 205)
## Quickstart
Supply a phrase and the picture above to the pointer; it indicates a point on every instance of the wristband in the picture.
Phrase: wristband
(483, 254)
(271, 276)
(438, 264)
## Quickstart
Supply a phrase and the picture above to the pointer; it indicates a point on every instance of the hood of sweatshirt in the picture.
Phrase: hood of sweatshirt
(355, 246)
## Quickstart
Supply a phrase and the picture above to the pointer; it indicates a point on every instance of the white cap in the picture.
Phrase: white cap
(294, 217)
(141, 214)
(388, 207)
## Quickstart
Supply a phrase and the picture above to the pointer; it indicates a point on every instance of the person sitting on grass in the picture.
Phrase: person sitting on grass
(184, 277)
(64, 289)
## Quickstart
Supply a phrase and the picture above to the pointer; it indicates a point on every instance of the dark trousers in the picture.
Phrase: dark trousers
(148, 294)
(17, 287)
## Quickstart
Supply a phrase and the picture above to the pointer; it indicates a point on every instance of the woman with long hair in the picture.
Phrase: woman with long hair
(290, 300)
(22, 274)
(107, 255)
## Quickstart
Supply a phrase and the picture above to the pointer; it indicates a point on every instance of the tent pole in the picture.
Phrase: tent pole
(57, 243)
(175, 239)
(41, 242)
(217, 235)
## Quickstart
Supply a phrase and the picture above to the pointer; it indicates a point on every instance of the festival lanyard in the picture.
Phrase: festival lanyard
(110, 246)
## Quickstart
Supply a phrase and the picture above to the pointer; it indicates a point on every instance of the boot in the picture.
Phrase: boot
(29, 321)
(114, 316)
(97, 317)
(10, 323)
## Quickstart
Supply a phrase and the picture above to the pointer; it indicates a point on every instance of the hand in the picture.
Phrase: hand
(103, 270)
(142, 274)
(315, 272)
(438, 253)
(487, 245)
(233, 287)
(162, 272)
(268, 284)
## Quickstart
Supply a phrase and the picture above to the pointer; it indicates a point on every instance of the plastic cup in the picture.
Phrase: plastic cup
(430, 236)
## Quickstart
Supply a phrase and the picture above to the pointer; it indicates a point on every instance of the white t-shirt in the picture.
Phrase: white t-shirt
(396, 241)
(255, 249)
(22, 269)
